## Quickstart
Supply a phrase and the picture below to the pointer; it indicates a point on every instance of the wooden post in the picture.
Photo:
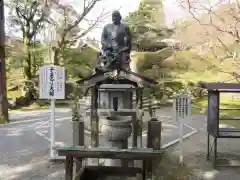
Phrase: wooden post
(78, 140)
(94, 119)
(153, 138)
(3, 89)
(69, 168)
(154, 134)
(140, 119)
(144, 168)
(134, 130)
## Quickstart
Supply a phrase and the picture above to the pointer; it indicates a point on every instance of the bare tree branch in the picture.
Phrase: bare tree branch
(87, 9)
(226, 35)
(68, 27)
(92, 24)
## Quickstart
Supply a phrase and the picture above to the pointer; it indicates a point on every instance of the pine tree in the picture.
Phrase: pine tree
(147, 28)
(157, 12)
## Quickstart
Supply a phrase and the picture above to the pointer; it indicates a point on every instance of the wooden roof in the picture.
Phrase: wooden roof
(115, 74)
(226, 87)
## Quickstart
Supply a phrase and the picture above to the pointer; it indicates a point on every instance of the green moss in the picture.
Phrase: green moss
(3, 121)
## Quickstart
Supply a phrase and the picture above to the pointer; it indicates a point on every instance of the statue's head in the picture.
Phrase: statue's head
(116, 17)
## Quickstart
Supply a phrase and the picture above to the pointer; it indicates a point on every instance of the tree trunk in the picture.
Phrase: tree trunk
(3, 89)
(56, 56)
(28, 68)
(34, 66)
(27, 44)
(34, 62)
(29, 93)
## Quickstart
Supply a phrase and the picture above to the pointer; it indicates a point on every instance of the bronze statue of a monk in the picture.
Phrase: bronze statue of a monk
(116, 44)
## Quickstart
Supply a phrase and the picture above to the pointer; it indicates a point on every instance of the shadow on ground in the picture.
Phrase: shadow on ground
(24, 156)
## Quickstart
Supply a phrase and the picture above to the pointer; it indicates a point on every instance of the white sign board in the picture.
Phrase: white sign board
(52, 82)
(182, 110)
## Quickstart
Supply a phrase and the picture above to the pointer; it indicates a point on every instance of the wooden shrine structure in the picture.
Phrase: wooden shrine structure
(214, 118)
(126, 83)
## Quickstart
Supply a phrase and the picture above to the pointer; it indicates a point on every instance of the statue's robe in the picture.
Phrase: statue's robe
(117, 39)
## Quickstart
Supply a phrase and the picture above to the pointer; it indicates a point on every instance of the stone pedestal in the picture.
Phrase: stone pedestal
(115, 129)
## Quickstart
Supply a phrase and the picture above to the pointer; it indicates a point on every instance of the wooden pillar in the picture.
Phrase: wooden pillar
(94, 121)
(94, 118)
(153, 138)
(140, 114)
(69, 168)
(78, 140)
(213, 119)
(144, 168)
(154, 134)
(213, 112)
(208, 146)
(214, 162)
(134, 130)
(3, 87)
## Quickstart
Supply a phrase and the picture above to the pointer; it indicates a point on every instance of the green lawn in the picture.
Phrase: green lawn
(225, 103)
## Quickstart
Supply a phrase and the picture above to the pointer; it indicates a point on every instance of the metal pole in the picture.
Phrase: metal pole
(3, 89)
(52, 130)
(53, 101)
(181, 142)
(182, 107)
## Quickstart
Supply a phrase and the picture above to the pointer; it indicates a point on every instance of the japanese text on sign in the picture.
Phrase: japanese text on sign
(52, 82)
(182, 106)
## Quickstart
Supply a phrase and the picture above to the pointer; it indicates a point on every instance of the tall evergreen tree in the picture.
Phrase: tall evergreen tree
(148, 30)
(157, 12)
